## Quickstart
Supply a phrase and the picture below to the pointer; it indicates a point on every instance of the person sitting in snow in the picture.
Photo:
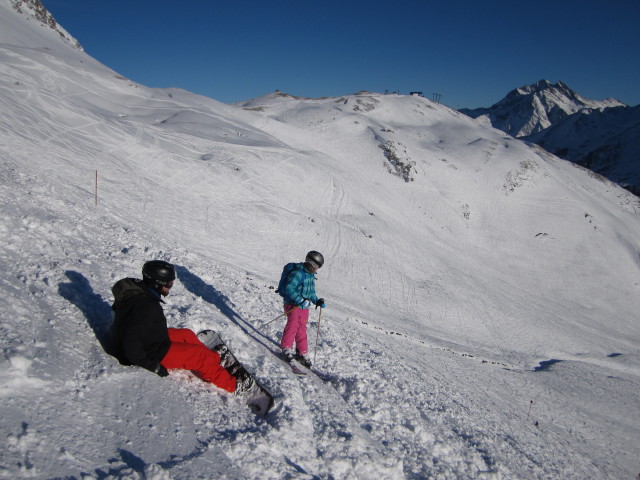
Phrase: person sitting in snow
(299, 293)
(142, 338)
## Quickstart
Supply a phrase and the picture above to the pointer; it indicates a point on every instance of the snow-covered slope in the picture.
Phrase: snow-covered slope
(481, 294)
(532, 108)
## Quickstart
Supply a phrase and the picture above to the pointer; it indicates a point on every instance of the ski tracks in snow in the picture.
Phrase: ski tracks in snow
(417, 409)
(313, 432)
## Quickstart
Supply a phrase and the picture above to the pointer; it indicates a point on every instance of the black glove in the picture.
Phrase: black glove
(320, 303)
(161, 371)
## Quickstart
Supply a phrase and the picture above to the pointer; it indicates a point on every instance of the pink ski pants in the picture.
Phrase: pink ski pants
(296, 329)
(189, 353)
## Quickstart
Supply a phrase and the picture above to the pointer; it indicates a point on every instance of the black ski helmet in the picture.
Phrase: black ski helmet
(315, 259)
(158, 273)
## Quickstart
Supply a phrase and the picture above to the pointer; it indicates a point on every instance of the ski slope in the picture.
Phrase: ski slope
(482, 295)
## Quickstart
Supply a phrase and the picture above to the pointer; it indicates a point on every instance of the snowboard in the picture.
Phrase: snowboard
(257, 398)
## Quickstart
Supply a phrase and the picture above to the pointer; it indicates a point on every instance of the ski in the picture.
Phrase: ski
(295, 367)
(257, 398)
(322, 376)
(301, 370)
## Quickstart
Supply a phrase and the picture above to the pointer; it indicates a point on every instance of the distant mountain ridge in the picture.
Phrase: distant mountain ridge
(606, 141)
(533, 108)
(603, 136)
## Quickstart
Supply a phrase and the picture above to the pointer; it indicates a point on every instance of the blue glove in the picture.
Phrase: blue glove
(305, 303)
(320, 303)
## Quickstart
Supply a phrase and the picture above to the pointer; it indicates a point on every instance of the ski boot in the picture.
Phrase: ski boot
(287, 355)
(303, 358)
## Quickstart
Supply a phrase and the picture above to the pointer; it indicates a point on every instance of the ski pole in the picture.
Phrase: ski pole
(279, 316)
(315, 353)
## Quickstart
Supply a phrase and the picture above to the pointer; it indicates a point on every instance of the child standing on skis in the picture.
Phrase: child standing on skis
(299, 292)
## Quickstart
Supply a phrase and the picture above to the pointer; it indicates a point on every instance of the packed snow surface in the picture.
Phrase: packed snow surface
(482, 295)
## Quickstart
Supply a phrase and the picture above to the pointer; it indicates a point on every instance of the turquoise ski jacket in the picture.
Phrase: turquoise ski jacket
(300, 286)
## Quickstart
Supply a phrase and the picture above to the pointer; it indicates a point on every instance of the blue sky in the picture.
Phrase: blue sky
(471, 52)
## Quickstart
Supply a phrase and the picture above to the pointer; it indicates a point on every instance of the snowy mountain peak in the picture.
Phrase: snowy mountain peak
(35, 9)
(548, 95)
(534, 88)
(532, 108)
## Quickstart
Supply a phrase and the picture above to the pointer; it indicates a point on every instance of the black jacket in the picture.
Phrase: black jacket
(139, 326)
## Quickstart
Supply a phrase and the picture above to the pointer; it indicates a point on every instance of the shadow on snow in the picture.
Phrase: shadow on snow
(79, 292)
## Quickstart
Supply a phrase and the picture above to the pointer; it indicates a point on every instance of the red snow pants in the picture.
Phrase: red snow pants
(189, 353)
